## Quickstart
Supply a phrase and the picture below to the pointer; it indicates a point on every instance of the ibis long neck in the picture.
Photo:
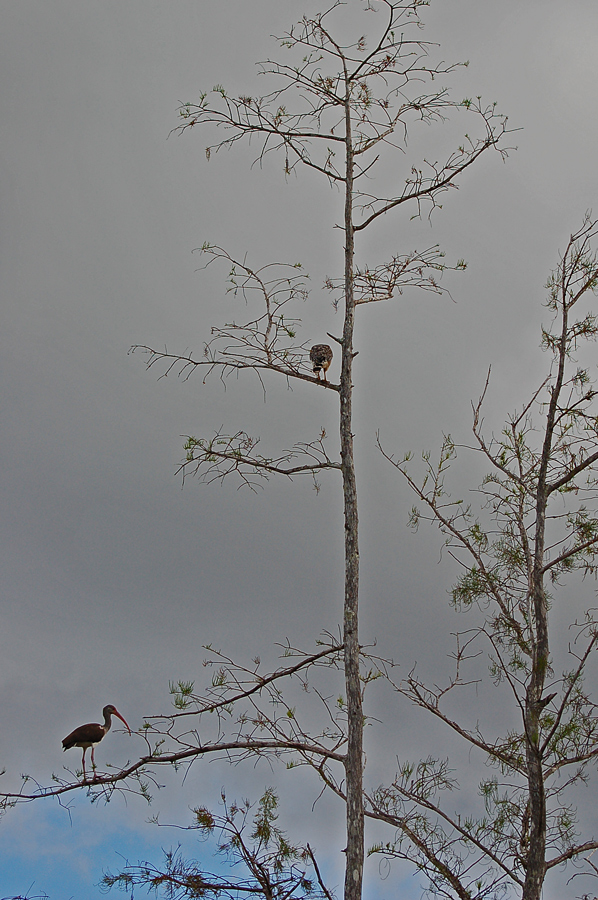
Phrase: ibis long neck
(107, 722)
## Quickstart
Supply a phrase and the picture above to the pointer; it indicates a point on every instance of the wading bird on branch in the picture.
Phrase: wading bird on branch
(321, 357)
(89, 735)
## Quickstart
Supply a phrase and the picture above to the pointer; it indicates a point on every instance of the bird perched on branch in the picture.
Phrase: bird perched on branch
(89, 735)
(321, 357)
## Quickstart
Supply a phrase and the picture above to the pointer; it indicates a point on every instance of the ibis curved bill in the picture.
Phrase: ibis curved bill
(91, 734)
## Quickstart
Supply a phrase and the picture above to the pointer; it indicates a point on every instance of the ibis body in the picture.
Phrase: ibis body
(91, 734)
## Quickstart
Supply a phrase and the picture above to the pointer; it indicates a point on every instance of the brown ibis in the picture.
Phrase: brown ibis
(321, 357)
(89, 735)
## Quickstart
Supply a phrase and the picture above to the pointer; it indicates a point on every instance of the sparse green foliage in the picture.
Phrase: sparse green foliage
(182, 692)
(538, 525)
(246, 837)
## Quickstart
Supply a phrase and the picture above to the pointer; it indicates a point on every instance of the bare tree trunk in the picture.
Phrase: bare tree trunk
(354, 760)
(536, 859)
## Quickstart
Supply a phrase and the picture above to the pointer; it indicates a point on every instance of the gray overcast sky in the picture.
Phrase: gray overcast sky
(112, 577)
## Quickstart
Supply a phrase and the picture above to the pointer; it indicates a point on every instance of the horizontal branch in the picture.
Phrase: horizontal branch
(137, 768)
(571, 853)
(216, 458)
(189, 363)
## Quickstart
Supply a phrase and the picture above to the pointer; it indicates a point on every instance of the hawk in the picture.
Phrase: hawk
(321, 357)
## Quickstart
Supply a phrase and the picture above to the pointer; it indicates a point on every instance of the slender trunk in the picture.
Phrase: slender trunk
(354, 760)
(536, 858)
